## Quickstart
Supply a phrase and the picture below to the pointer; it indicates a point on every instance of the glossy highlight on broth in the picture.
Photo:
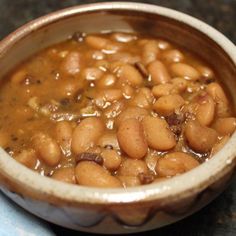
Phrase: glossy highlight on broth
(113, 110)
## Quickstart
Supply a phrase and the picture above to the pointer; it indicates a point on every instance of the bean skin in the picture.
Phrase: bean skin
(184, 70)
(72, 63)
(158, 133)
(159, 73)
(91, 174)
(47, 148)
(166, 105)
(225, 126)
(200, 138)
(175, 163)
(131, 167)
(129, 74)
(132, 130)
(86, 134)
(65, 175)
(112, 159)
(131, 112)
(217, 93)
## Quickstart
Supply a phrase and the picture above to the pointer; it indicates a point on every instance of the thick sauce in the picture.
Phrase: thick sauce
(113, 110)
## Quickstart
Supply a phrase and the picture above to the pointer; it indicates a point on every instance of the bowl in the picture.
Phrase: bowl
(136, 209)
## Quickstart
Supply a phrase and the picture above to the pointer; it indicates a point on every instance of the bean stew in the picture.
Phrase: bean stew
(113, 110)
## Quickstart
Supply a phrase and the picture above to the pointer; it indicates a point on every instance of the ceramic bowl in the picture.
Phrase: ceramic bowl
(134, 209)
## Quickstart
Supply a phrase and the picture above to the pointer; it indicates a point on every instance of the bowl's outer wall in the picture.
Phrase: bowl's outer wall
(154, 214)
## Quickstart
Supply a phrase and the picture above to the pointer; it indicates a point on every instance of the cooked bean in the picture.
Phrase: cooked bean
(175, 163)
(127, 91)
(162, 90)
(129, 181)
(173, 55)
(180, 85)
(205, 110)
(124, 57)
(86, 134)
(89, 156)
(131, 167)
(72, 63)
(108, 139)
(63, 134)
(225, 126)
(185, 70)
(158, 133)
(200, 138)
(217, 93)
(205, 71)
(107, 80)
(132, 130)
(112, 159)
(123, 37)
(100, 43)
(166, 105)
(111, 95)
(162, 44)
(65, 175)
(131, 112)
(92, 73)
(28, 158)
(128, 74)
(143, 98)
(150, 51)
(47, 148)
(158, 72)
(91, 174)
(219, 145)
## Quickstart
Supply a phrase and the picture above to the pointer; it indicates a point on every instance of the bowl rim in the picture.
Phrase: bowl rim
(178, 187)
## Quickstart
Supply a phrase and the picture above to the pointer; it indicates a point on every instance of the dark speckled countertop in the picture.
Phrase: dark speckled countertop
(219, 217)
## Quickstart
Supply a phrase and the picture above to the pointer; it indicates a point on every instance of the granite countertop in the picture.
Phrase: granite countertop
(219, 217)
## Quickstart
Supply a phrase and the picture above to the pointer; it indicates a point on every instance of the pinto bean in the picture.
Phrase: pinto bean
(91, 174)
(112, 159)
(150, 51)
(63, 134)
(158, 72)
(65, 175)
(131, 167)
(184, 70)
(143, 98)
(129, 74)
(131, 112)
(27, 158)
(72, 63)
(219, 145)
(158, 133)
(86, 134)
(162, 90)
(166, 105)
(200, 138)
(132, 130)
(47, 148)
(92, 73)
(206, 110)
(106, 81)
(175, 163)
(173, 55)
(217, 93)
(225, 126)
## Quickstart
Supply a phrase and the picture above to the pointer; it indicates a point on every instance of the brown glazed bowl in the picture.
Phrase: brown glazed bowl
(134, 209)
